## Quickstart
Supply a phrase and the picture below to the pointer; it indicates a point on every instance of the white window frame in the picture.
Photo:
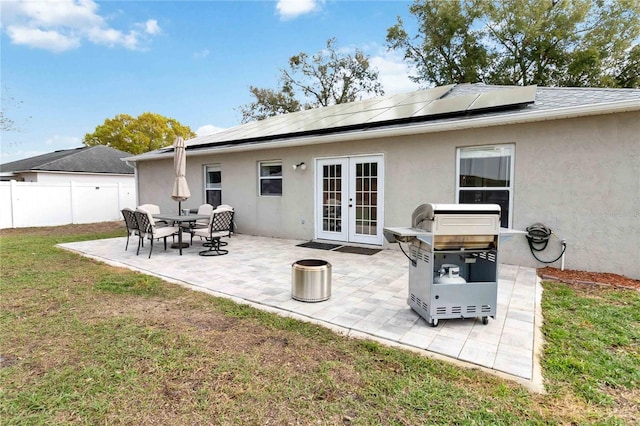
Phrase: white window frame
(211, 167)
(261, 178)
(498, 147)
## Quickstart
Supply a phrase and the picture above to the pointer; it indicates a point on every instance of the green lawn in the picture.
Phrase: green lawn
(86, 343)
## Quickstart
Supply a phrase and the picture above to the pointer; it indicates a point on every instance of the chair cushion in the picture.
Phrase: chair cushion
(206, 234)
(201, 232)
(165, 231)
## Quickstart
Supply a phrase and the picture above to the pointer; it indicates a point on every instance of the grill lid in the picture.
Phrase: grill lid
(430, 211)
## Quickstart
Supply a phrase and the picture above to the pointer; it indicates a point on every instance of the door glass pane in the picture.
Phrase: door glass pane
(366, 197)
(331, 198)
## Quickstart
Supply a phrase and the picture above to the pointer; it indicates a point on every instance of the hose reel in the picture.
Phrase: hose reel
(538, 236)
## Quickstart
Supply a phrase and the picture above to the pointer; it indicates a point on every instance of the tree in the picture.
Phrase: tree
(145, 133)
(327, 78)
(446, 49)
(269, 102)
(8, 101)
(545, 42)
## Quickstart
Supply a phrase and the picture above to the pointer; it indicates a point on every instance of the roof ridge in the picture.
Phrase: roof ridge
(70, 154)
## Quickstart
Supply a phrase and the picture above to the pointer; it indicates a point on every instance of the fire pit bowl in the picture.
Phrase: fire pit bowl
(311, 280)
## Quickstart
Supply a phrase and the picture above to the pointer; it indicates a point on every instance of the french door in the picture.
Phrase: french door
(349, 199)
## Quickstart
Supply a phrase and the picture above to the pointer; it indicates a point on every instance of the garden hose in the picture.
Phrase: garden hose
(538, 236)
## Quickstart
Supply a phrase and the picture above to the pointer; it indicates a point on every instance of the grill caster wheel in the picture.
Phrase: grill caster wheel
(434, 322)
(485, 320)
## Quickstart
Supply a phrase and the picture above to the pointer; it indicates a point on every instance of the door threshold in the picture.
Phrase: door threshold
(345, 243)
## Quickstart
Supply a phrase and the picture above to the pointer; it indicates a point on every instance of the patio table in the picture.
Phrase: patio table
(180, 219)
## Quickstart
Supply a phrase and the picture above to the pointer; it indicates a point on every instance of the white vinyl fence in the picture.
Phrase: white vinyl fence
(26, 204)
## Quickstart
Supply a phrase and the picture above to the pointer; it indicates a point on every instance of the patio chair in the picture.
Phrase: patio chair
(131, 224)
(233, 222)
(148, 229)
(199, 224)
(219, 226)
(153, 209)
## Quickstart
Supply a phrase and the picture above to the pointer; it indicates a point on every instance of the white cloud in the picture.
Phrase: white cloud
(152, 27)
(201, 54)
(63, 142)
(393, 72)
(20, 150)
(208, 129)
(63, 24)
(290, 9)
(48, 40)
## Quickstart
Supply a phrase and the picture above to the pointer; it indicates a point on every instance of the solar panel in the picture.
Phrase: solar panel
(419, 105)
(427, 95)
(505, 97)
(400, 112)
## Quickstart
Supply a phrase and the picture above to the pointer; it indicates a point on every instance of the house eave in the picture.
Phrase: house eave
(408, 130)
(66, 172)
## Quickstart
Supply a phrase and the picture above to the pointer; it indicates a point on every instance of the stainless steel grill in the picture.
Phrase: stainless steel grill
(453, 260)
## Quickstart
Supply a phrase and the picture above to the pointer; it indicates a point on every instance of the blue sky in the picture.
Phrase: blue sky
(71, 64)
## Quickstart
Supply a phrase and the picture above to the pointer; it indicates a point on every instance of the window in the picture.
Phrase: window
(213, 185)
(485, 175)
(270, 178)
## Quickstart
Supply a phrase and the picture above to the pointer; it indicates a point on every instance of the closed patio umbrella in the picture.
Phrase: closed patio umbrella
(180, 191)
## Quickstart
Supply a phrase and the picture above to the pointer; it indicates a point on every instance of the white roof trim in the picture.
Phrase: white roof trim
(63, 172)
(414, 129)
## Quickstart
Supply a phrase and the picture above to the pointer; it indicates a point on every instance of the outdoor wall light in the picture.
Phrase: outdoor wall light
(300, 166)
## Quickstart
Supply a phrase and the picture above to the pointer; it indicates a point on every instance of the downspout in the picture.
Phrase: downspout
(135, 178)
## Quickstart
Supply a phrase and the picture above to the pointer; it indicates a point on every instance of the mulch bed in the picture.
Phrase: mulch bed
(592, 278)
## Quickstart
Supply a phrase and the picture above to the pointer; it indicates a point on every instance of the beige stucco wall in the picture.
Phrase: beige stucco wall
(580, 177)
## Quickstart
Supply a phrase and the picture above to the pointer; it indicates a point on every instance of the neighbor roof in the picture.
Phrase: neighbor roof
(437, 109)
(94, 159)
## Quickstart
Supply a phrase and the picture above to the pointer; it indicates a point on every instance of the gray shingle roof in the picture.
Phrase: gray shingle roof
(557, 97)
(94, 159)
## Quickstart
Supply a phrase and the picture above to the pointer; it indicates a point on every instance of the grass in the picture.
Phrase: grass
(86, 343)
(593, 341)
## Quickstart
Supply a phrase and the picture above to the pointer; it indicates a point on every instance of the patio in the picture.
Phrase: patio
(368, 298)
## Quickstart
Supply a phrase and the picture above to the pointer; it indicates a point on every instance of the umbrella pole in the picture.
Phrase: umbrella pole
(177, 245)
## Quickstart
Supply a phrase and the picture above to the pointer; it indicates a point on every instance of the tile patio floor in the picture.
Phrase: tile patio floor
(368, 298)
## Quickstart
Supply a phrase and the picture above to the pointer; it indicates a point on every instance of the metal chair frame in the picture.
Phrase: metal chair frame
(219, 226)
(147, 228)
(132, 225)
